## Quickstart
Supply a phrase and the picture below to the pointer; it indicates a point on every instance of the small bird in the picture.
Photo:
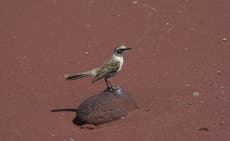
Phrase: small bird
(110, 68)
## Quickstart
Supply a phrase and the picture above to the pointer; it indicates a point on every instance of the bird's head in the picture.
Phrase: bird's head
(120, 49)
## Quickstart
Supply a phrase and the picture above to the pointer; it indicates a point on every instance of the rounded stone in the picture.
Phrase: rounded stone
(104, 107)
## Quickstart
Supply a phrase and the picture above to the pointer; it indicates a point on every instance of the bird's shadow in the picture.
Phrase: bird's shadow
(76, 120)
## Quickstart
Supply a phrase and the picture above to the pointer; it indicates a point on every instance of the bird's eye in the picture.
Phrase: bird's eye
(119, 51)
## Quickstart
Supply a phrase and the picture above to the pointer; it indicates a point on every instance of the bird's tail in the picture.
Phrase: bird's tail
(73, 76)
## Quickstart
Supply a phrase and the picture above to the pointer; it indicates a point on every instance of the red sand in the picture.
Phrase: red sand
(180, 47)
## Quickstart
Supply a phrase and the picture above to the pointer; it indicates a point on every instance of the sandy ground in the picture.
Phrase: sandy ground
(178, 70)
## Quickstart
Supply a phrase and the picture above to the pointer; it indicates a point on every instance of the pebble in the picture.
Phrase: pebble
(180, 11)
(134, 2)
(154, 9)
(187, 85)
(203, 129)
(88, 126)
(71, 139)
(196, 93)
(224, 39)
(52, 134)
(218, 72)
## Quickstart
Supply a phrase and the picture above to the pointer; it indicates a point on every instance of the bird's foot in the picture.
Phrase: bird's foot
(113, 89)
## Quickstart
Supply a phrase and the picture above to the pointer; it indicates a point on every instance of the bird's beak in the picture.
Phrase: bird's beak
(128, 48)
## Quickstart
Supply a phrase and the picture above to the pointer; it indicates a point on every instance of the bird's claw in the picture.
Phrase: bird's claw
(114, 88)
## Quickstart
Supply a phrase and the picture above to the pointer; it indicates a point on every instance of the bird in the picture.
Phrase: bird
(111, 67)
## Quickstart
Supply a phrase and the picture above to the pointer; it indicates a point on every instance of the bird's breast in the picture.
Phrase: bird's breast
(121, 60)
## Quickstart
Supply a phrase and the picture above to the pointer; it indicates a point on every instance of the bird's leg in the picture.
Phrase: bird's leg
(108, 84)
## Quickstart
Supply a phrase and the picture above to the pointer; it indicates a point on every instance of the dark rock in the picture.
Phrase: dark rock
(105, 107)
(203, 129)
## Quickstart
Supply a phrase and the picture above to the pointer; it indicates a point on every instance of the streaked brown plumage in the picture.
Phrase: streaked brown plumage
(111, 67)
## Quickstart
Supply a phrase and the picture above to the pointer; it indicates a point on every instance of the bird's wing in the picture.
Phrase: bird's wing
(110, 66)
